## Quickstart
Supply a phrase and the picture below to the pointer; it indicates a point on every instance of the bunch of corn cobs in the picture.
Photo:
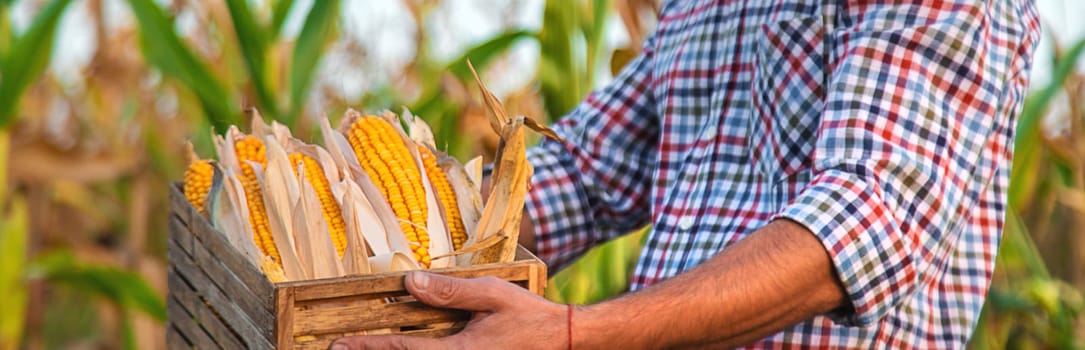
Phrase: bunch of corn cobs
(377, 196)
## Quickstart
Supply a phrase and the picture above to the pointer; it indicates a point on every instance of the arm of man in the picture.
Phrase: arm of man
(777, 277)
(893, 166)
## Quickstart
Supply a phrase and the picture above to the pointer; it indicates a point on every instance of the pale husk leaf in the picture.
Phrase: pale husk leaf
(257, 125)
(338, 146)
(473, 168)
(468, 198)
(321, 249)
(356, 255)
(368, 222)
(394, 261)
(280, 223)
(418, 130)
(502, 213)
(229, 213)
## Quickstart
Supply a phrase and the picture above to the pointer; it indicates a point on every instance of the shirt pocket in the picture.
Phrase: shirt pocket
(788, 96)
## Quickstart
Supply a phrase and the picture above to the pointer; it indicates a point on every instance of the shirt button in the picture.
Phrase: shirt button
(685, 222)
(708, 134)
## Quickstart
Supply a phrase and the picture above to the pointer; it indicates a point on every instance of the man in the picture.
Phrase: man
(816, 174)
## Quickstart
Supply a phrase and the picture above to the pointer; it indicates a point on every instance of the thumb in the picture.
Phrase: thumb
(476, 294)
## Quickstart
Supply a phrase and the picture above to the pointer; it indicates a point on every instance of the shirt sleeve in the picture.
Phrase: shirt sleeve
(918, 117)
(595, 186)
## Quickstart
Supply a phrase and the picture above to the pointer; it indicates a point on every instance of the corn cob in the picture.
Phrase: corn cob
(198, 179)
(446, 196)
(252, 149)
(332, 214)
(386, 158)
(272, 270)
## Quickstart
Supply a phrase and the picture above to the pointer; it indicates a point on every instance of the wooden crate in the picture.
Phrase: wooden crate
(217, 299)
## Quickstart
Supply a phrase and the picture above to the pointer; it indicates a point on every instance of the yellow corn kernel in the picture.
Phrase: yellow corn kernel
(272, 270)
(332, 215)
(446, 196)
(198, 179)
(386, 158)
(251, 149)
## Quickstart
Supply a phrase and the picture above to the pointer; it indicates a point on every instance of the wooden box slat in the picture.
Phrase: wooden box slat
(198, 310)
(393, 281)
(215, 243)
(217, 299)
(187, 326)
(398, 314)
(235, 302)
(174, 339)
(224, 306)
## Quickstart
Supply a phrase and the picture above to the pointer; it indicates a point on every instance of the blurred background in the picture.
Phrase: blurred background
(97, 97)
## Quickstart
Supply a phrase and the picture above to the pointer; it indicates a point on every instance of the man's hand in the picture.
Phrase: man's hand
(505, 317)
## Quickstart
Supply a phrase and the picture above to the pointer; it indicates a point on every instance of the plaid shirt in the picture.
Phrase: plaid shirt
(886, 130)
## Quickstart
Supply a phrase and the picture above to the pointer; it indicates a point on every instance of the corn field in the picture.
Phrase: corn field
(97, 98)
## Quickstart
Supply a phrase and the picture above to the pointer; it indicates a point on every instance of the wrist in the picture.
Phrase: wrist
(591, 328)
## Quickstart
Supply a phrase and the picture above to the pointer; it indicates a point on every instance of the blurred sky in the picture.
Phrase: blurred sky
(386, 30)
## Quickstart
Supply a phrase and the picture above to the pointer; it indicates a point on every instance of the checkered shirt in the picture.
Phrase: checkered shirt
(884, 129)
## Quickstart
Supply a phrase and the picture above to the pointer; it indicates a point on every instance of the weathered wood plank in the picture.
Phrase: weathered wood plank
(258, 305)
(533, 284)
(179, 233)
(322, 342)
(174, 339)
(371, 315)
(251, 331)
(179, 204)
(215, 242)
(284, 315)
(188, 327)
(537, 283)
(174, 287)
(393, 281)
(206, 318)
(318, 344)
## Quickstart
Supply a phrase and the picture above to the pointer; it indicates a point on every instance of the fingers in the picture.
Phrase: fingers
(387, 342)
(476, 294)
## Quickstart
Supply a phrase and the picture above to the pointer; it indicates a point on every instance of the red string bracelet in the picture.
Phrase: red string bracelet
(570, 326)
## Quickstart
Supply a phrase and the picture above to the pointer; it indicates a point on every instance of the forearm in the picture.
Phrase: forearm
(777, 277)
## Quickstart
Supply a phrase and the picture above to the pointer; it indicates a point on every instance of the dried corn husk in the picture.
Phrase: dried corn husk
(375, 241)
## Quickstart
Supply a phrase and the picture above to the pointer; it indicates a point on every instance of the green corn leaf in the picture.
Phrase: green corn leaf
(1008, 301)
(442, 113)
(482, 54)
(27, 59)
(13, 241)
(128, 335)
(559, 71)
(314, 37)
(1033, 111)
(124, 288)
(5, 33)
(164, 49)
(253, 40)
(279, 11)
(1028, 141)
(1017, 245)
(593, 32)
